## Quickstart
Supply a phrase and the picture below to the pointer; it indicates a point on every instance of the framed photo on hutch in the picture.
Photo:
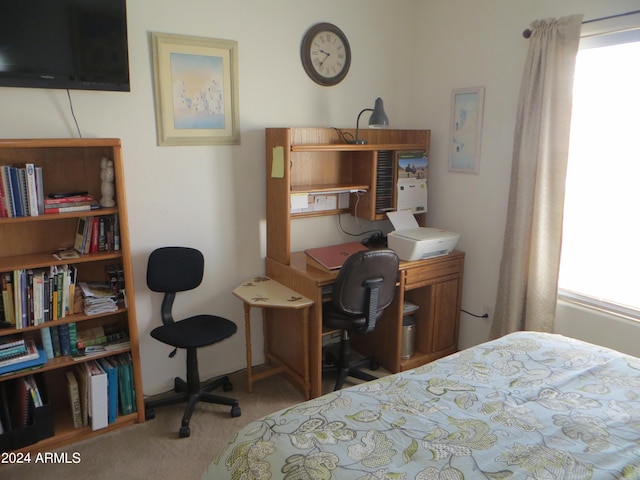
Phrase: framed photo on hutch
(196, 90)
(467, 106)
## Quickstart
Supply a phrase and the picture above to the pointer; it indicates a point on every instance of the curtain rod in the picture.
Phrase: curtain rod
(527, 32)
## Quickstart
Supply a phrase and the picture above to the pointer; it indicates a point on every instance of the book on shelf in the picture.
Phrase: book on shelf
(14, 180)
(65, 342)
(74, 208)
(47, 342)
(7, 297)
(3, 202)
(36, 358)
(74, 399)
(112, 387)
(70, 199)
(40, 189)
(32, 192)
(82, 375)
(102, 335)
(20, 404)
(7, 197)
(81, 234)
(32, 386)
(98, 395)
(332, 257)
(12, 347)
(10, 342)
(30, 353)
(126, 389)
(22, 188)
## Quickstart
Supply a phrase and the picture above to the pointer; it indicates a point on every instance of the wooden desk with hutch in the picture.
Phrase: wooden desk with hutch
(316, 160)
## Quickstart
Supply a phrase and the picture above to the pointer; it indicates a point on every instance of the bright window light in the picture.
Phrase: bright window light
(601, 234)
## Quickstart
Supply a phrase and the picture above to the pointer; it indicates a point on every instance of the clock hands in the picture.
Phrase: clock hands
(321, 63)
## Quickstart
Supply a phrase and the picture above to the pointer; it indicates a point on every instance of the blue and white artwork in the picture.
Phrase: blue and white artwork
(466, 129)
(198, 91)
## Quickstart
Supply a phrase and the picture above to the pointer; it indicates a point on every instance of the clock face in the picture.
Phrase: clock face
(325, 54)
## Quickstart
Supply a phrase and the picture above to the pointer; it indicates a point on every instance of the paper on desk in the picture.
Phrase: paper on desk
(403, 220)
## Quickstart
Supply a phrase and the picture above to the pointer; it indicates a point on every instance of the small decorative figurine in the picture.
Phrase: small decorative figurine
(107, 176)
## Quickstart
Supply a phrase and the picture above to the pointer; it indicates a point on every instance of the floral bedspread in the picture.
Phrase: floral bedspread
(526, 406)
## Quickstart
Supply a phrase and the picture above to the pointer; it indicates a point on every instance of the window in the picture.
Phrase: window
(600, 262)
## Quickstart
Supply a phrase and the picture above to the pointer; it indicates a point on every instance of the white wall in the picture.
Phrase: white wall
(466, 44)
(212, 197)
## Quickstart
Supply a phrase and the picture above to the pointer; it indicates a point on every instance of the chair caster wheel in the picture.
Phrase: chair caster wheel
(185, 432)
(227, 386)
(235, 411)
(149, 414)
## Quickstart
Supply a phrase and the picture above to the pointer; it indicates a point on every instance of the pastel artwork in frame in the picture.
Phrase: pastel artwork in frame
(196, 90)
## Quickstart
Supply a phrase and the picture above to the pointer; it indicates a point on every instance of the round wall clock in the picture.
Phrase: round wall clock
(325, 54)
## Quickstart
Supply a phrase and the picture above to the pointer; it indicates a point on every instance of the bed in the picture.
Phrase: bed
(526, 406)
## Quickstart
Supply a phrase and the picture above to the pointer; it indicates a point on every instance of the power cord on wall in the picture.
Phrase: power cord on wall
(375, 233)
(73, 114)
(485, 315)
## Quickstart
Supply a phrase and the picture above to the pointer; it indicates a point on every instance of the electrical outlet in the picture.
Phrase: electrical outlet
(487, 311)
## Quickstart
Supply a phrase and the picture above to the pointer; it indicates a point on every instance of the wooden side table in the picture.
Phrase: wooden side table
(265, 293)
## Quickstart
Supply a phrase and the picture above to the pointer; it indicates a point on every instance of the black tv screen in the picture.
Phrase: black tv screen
(66, 44)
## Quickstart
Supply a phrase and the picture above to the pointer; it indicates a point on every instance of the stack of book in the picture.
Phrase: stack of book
(65, 203)
(21, 192)
(35, 296)
(97, 234)
(101, 390)
(18, 354)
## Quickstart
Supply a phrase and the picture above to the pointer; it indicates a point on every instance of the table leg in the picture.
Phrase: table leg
(305, 348)
(247, 333)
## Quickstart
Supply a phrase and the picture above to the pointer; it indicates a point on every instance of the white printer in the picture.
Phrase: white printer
(412, 242)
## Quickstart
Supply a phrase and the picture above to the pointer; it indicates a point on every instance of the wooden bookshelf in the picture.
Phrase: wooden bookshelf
(29, 242)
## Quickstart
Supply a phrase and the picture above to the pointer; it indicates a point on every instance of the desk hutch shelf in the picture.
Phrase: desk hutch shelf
(319, 162)
(27, 243)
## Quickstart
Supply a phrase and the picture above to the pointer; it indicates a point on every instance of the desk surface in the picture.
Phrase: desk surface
(264, 292)
(321, 277)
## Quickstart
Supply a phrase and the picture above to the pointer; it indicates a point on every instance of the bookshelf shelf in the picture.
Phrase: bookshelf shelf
(39, 260)
(56, 217)
(28, 243)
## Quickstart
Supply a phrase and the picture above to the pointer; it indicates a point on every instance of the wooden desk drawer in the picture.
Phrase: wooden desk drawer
(426, 272)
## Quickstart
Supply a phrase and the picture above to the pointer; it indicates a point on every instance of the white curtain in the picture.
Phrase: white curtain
(526, 298)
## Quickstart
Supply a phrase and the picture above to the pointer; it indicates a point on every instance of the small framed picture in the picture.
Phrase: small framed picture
(196, 90)
(467, 106)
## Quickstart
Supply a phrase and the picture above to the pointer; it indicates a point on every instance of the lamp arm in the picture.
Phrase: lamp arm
(358, 120)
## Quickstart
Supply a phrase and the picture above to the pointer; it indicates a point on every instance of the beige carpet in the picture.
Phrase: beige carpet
(153, 450)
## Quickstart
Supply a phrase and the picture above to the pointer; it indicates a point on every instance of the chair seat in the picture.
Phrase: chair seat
(335, 319)
(196, 331)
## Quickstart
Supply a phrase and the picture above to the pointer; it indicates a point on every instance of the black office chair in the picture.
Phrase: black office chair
(365, 286)
(178, 269)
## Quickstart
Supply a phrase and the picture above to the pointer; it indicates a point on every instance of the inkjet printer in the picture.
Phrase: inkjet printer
(412, 242)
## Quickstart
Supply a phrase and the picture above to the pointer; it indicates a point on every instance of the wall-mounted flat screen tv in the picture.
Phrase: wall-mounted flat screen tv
(66, 44)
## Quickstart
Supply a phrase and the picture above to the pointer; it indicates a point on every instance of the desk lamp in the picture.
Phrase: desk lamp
(378, 119)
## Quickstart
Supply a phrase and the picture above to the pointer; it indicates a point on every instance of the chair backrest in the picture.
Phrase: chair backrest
(366, 284)
(171, 270)
(175, 269)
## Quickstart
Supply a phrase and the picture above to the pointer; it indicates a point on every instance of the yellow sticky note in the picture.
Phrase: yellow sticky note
(277, 164)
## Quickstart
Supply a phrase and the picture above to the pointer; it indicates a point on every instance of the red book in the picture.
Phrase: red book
(71, 199)
(332, 257)
(95, 230)
(74, 208)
